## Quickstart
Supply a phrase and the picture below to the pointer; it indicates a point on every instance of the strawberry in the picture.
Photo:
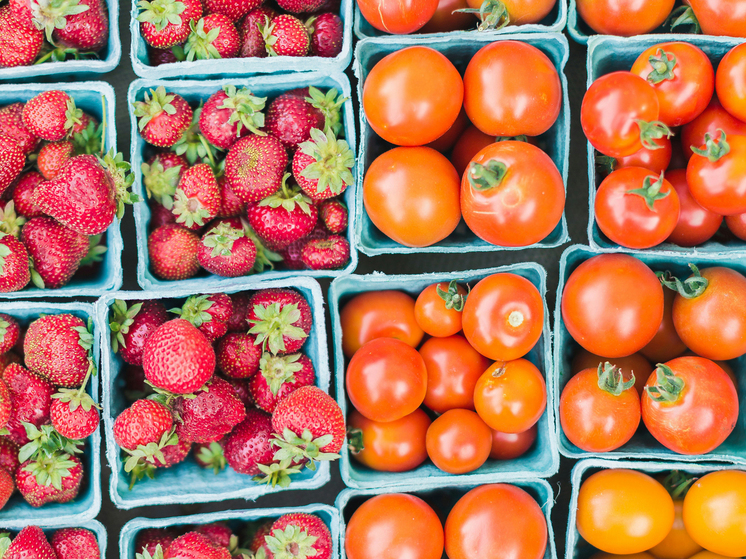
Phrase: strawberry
(162, 173)
(237, 355)
(237, 321)
(50, 479)
(156, 57)
(322, 166)
(209, 313)
(173, 252)
(8, 455)
(226, 251)
(233, 9)
(75, 543)
(174, 454)
(230, 114)
(219, 533)
(213, 36)
(278, 376)
(10, 223)
(22, 193)
(326, 254)
(30, 543)
(255, 166)
(160, 216)
(165, 23)
(327, 33)
(53, 156)
(19, 43)
(6, 404)
(299, 535)
(11, 124)
(291, 118)
(241, 388)
(87, 31)
(300, 6)
(149, 538)
(77, 418)
(132, 326)
(285, 35)
(213, 413)
(7, 487)
(230, 205)
(334, 215)
(178, 358)
(56, 251)
(195, 546)
(329, 104)
(283, 217)
(14, 264)
(257, 540)
(8, 358)
(193, 145)
(143, 423)
(280, 318)
(252, 40)
(31, 396)
(291, 254)
(51, 115)
(12, 160)
(197, 198)
(210, 456)
(249, 444)
(162, 117)
(10, 330)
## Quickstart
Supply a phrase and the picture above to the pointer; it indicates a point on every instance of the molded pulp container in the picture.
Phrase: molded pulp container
(17, 513)
(542, 460)
(194, 91)
(643, 446)
(443, 499)
(215, 69)
(610, 54)
(95, 98)
(459, 50)
(187, 482)
(93, 525)
(235, 519)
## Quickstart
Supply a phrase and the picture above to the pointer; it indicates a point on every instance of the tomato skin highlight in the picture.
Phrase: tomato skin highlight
(656, 160)
(720, 17)
(458, 441)
(398, 18)
(666, 344)
(720, 186)
(432, 315)
(712, 119)
(731, 82)
(678, 544)
(696, 225)
(623, 17)
(509, 446)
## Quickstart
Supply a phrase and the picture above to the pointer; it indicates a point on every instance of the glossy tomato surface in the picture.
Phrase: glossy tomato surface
(720, 17)
(696, 225)
(720, 186)
(397, 17)
(438, 315)
(712, 119)
(656, 160)
(444, 19)
(624, 17)
(459, 441)
(509, 446)
(678, 544)
(470, 143)
(737, 225)
(445, 142)
(731, 81)
(666, 344)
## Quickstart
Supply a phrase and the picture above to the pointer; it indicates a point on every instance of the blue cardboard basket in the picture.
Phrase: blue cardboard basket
(109, 60)
(459, 49)
(188, 482)
(235, 518)
(443, 499)
(108, 273)
(239, 67)
(643, 446)
(17, 513)
(575, 546)
(93, 525)
(194, 91)
(542, 460)
(610, 54)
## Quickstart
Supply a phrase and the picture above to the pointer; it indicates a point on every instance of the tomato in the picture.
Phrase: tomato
(682, 77)
(470, 143)
(696, 225)
(499, 521)
(378, 314)
(656, 160)
(678, 544)
(623, 511)
(612, 305)
(715, 512)
(445, 143)
(724, 365)
(512, 194)
(412, 195)
(459, 441)
(635, 364)
(511, 396)
(396, 446)
(666, 344)
(624, 17)
(717, 178)
(438, 308)
(386, 379)
(731, 82)
(512, 88)
(695, 406)
(598, 410)
(446, 18)
(720, 17)
(712, 119)
(636, 208)
(521, 12)
(397, 17)
(453, 368)
(412, 96)
(708, 555)
(602, 555)
(508, 446)
(737, 225)
(503, 316)
(382, 527)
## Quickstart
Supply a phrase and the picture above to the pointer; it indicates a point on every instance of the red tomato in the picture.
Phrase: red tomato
(447, 140)
(666, 344)
(712, 119)
(656, 160)
(497, 521)
(412, 96)
(737, 225)
(612, 305)
(470, 143)
(511, 396)
(412, 196)
(503, 316)
(459, 442)
(378, 314)
(512, 88)
(522, 12)
(382, 528)
(512, 194)
(717, 179)
(696, 225)
(446, 18)
(635, 364)
(602, 555)
(453, 368)
(682, 77)
(509, 446)
(636, 208)
(397, 17)
(396, 446)
(698, 405)
(720, 17)
(438, 308)
(386, 379)
(731, 81)
(624, 17)
(724, 365)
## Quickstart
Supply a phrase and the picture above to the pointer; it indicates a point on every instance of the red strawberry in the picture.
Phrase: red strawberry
(162, 173)
(241, 388)
(322, 166)
(283, 217)
(197, 198)
(238, 356)
(75, 424)
(255, 166)
(327, 33)
(334, 215)
(6, 404)
(31, 396)
(219, 533)
(278, 376)
(174, 454)
(230, 205)
(165, 23)
(12, 160)
(22, 193)
(249, 444)
(326, 254)
(156, 57)
(211, 415)
(131, 327)
(237, 321)
(291, 254)
(210, 456)
(280, 318)
(213, 36)
(252, 40)
(87, 31)
(173, 252)
(10, 223)
(162, 117)
(53, 156)
(144, 422)
(19, 43)
(11, 124)
(257, 541)
(285, 35)
(149, 538)
(50, 479)
(195, 546)
(226, 251)
(10, 330)
(30, 543)
(51, 115)
(75, 543)
(209, 313)
(56, 251)
(160, 216)
(8, 455)
(230, 114)
(291, 118)
(299, 535)
(14, 264)
(300, 6)
(7, 487)
(233, 9)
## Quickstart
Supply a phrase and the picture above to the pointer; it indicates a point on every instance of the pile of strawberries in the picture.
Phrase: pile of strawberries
(45, 412)
(178, 30)
(262, 415)
(36, 31)
(59, 192)
(240, 184)
(67, 543)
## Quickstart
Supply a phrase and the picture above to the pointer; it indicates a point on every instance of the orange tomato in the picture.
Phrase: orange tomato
(438, 309)
(458, 441)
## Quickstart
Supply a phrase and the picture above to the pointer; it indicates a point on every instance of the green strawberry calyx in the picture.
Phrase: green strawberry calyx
(330, 104)
(153, 104)
(96, 250)
(303, 449)
(212, 456)
(120, 172)
(266, 30)
(195, 310)
(4, 325)
(287, 198)
(493, 14)
(160, 13)
(221, 238)
(90, 140)
(50, 470)
(46, 442)
(194, 146)
(293, 542)
(72, 115)
(48, 15)
(265, 258)
(334, 161)
(160, 183)
(4, 543)
(277, 473)
(188, 210)
(273, 322)
(199, 44)
(10, 222)
(246, 109)
(145, 554)
(147, 454)
(85, 340)
(279, 369)
(121, 318)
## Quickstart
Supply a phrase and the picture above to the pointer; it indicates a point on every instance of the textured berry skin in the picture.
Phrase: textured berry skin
(258, 540)
(12, 331)
(75, 543)
(333, 214)
(259, 383)
(87, 31)
(44, 115)
(160, 216)
(326, 254)
(241, 388)
(199, 186)
(156, 183)
(286, 35)
(7, 486)
(300, 6)
(9, 455)
(156, 57)
(165, 129)
(290, 118)
(19, 44)
(220, 534)
(252, 41)
(195, 546)
(52, 350)
(174, 453)
(178, 357)
(327, 32)
(11, 124)
(150, 538)
(173, 252)
(31, 396)
(311, 525)
(78, 424)
(233, 9)
(238, 356)
(284, 297)
(210, 415)
(228, 41)
(237, 321)
(230, 205)
(56, 250)
(145, 421)
(249, 444)
(214, 122)
(173, 33)
(12, 160)
(30, 543)
(278, 227)
(151, 315)
(311, 408)
(38, 495)
(14, 268)
(255, 166)
(53, 156)
(239, 262)
(23, 192)
(209, 313)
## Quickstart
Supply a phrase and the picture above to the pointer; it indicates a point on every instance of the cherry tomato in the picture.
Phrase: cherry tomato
(412, 195)
(511, 396)
(438, 308)
(397, 17)
(396, 446)
(623, 511)
(678, 544)
(712, 119)
(412, 96)
(521, 12)
(635, 364)
(690, 405)
(717, 178)
(666, 344)
(386, 379)
(656, 160)
(512, 88)
(503, 316)
(446, 18)
(731, 81)
(496, 521)
(382, 528)
(453, 368)
(624, 17)
(459, 441)
(612, 305)
(737, 225)
(470, 143)
(708, 555)
(378, 314)
(509, 446)
(682, 77)
(720, 17)
(724, 365)
(696, 225)
(715, 512)
(447, 140)
(602, 555)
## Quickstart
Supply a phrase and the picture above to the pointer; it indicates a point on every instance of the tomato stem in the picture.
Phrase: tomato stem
(684, 15)
(453, 299)
(651, 131)
(610, 379)
(677, 483)
(650, 191)
(605, 164)
(355, 440)
(690, 288)
(663, 64)
(493, 14)
(667, 387)
(715, 148)
(521, 138)
(484, 177)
